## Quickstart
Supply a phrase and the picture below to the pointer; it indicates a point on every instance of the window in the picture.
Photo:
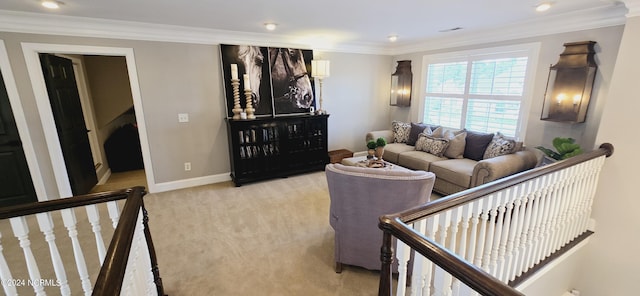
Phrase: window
(484, 90)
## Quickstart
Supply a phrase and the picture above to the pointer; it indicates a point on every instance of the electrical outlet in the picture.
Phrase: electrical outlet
(187, 166)
(183, 117)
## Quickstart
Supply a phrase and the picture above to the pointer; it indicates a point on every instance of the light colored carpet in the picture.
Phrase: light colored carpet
(266, 238)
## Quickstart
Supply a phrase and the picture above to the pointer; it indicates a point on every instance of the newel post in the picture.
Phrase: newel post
(152, 252)
(386, 257)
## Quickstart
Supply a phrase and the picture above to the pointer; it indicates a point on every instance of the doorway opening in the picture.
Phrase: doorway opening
(103, 126)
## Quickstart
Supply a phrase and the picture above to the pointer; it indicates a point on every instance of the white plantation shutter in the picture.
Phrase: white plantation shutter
(482, 92)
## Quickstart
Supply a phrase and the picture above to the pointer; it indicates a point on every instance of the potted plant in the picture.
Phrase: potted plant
(565, 148)
(371, 145)
(380, 143)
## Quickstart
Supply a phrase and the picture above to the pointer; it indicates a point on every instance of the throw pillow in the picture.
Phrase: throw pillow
(429, 144)
(500, 145)
(400, 131)
(476, 144)
(416, 129)
(457, 142)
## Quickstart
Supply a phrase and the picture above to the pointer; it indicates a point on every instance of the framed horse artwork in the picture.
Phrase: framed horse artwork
(291, 84)
(251, 60)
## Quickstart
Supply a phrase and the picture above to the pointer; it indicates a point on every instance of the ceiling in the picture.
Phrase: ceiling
(348, 25)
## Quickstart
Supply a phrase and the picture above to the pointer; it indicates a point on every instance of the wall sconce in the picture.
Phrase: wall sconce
(320, 70)
(401, 84)
(570, 82)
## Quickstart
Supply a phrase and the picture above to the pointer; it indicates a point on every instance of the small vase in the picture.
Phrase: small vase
(371, 153)
(379, 151)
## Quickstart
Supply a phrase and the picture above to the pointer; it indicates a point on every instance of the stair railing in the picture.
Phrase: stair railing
(490, 238)
(127, 267)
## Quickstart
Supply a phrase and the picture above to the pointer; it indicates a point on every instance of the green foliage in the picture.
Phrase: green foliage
(371, 144)
(565, 148)
(381, 142)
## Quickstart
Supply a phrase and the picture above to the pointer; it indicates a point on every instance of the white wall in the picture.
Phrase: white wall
(612, 264)
(186, 78)
(356, 97)
(542, 132)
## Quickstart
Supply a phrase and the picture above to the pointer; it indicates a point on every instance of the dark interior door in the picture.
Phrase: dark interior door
(16, 186)
(70, 124)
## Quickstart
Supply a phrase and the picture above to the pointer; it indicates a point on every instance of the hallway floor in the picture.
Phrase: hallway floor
(123, 180)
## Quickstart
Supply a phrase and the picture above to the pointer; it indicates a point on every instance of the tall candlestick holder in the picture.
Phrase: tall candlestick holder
(249, 107)
(237, 109)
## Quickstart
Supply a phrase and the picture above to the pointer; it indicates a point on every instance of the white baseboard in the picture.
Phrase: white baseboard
(186, 183)
(105, 177)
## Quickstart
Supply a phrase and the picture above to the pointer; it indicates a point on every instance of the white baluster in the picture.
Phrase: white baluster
(549, 219)
(114, 213)
(510, 196)
(94, 219)
(46, 226)
(566, 204)
(21, 231)
(537, 216)
(69, 219)
(491, 224)
(442, 279)
(419, 262)
(428, 267)
(484, 217)
(475, 210)
(497, 237)
(515, 237)
(459, 220)
(529, 225)
(570, 208)
(403, 254)
(5, 273)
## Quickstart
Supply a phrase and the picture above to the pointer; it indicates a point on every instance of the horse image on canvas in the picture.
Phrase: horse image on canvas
(253, 61)
(279, 78)
(291, 83)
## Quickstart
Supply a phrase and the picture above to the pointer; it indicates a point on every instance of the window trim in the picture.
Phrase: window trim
(531, 50)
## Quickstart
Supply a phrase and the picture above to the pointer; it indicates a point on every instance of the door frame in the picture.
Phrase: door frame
(31, 52)
(21, 123)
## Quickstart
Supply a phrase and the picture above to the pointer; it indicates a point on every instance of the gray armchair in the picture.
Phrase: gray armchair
(359, 196)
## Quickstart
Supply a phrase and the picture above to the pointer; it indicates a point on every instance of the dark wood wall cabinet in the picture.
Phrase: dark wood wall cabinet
(266, 148)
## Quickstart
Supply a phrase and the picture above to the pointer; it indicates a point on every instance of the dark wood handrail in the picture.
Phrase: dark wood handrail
(472, 276)
(114, 266)
(62, 203)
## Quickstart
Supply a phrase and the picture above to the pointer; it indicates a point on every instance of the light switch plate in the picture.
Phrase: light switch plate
(183, 117)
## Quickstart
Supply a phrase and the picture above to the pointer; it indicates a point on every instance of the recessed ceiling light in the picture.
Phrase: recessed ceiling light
(393, 38)
(51, 4)
(543, 7)
(270, 26)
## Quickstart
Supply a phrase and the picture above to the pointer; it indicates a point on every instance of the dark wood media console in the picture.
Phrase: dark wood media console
(273, 147)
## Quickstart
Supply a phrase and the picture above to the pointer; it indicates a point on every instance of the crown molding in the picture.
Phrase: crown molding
(605, 16)
(633, 6)
(36, 23)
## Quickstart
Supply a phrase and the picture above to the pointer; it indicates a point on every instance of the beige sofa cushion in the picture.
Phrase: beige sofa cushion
(456, 171)
(393, 150)
(417, 160)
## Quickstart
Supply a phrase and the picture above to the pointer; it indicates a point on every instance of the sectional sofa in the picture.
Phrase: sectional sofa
(460, 159)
